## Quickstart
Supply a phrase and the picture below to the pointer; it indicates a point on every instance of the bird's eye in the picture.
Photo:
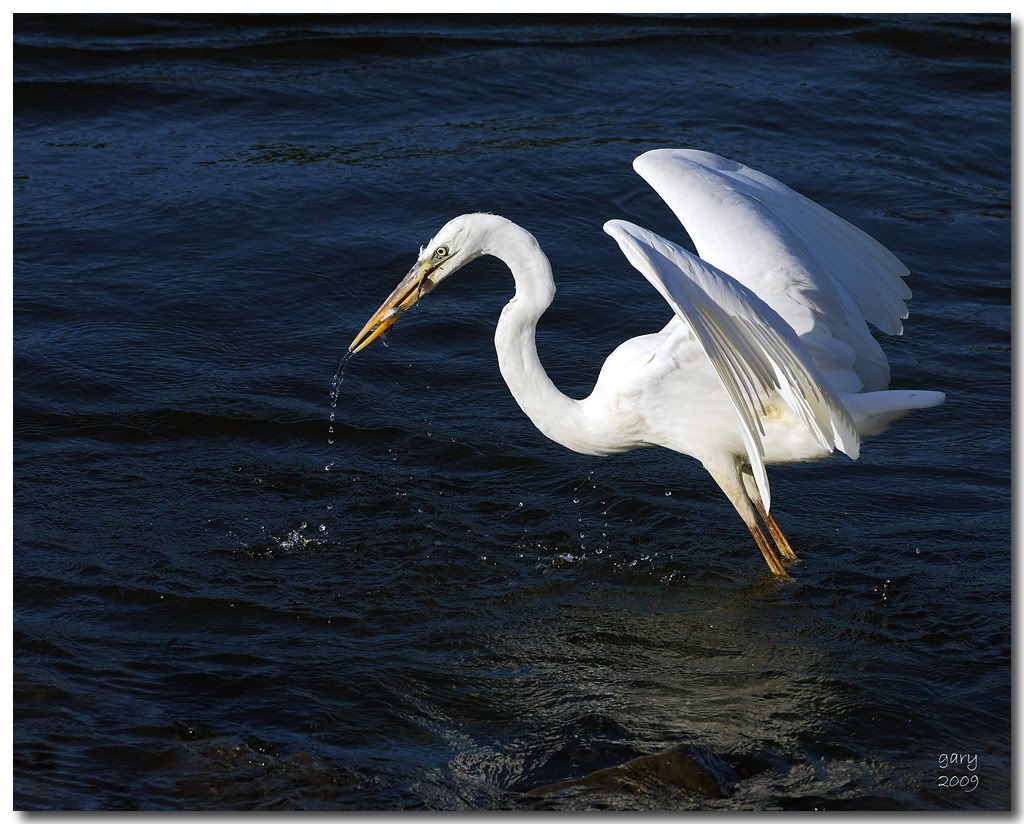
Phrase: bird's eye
(441, 251)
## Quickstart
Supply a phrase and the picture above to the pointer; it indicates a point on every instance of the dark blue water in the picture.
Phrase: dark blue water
(215, 607)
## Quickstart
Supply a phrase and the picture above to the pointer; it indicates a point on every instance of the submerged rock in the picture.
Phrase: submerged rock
(692, 768)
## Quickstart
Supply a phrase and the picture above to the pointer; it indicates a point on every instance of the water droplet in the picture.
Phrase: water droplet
(575, 500)
(323, 527)
(668, 493)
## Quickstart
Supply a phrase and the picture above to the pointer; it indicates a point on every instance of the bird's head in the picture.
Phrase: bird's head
(460, 241)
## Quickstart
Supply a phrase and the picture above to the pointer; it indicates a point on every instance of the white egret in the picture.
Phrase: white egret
(767, 360)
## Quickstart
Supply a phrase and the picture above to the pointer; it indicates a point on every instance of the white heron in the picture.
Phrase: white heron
(768, 358)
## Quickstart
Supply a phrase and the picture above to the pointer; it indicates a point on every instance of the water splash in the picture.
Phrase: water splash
(273, 545)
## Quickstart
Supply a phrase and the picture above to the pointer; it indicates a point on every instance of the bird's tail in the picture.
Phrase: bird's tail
(872, 412)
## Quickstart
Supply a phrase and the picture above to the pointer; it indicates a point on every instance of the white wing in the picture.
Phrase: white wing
(823, 275)
(753, 350)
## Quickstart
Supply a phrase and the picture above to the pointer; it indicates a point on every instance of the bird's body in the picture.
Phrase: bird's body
(653, 390)
(665, 383)
(768, 358)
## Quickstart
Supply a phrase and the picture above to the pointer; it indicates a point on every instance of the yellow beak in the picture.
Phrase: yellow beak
(413, 286)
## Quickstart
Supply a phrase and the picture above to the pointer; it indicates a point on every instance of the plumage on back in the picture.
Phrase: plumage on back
(825, 277)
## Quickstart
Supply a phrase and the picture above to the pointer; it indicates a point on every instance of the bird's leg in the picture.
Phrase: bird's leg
(785, 550)
(774, 564)
(728, 476)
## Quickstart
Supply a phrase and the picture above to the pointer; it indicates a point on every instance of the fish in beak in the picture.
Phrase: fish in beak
(413, 286)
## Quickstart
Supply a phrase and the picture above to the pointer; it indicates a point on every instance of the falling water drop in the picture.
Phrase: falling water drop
(339, 376)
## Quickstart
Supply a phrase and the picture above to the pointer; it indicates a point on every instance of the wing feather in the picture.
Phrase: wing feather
(754, 351)
(826, 277)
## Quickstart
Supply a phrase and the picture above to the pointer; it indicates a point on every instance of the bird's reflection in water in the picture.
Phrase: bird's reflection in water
(660, 703)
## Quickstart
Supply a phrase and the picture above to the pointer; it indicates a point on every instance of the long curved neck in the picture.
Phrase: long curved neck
(556, 415)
